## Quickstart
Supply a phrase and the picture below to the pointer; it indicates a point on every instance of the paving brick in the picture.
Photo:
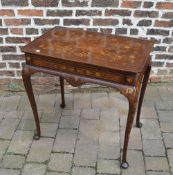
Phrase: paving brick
(109, 138)
(71, 113)
(123, 120)
(7, 128)
(108, 166)
(168, 139)
(9, 172)
(148, 112)
(69, 101)
(13, 161)
(32, 168)
(97, 140)
(109, 113)
(82, 100)
(170, 157)
(21, 142)
(109, 125)
(157, 173)
(57, 99)
(152, 95)
(53, 173)
(48, 129)
(92, 114)
(166, 127)
(26, 124)
(165, 94)
(156, 164)
(85, 155)
(69, 122)
(136, 161)
(89, 131)
(118, 101)
(110, 119)
(164, 105)
(13, 114)
(83, 171)
(3, 147)
(1, 101)
(28, 114)
(40, 150)
(165, 116)
(150, 129)
(109, 152)
(1, 116)
(50, 117)
(24, 103)
(100, 100)
(10, 103)
(46, 102)
(169, 86)
(153, 148)
(135, 141)
(60, 162)
(65, 141)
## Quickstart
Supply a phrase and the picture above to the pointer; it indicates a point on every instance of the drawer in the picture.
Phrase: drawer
(81, 70)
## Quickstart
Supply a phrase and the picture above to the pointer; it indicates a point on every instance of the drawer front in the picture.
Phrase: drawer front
(81, 70)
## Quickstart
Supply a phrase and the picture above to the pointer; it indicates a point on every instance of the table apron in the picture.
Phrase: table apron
(82, 78)
(92, 72)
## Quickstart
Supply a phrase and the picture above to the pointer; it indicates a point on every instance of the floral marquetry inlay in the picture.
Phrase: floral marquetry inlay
(91, 48)
(90, 72)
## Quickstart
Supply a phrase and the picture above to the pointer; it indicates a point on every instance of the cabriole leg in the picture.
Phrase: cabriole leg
(62, 105)
(143, 88)
(26, 75)
(131, 114)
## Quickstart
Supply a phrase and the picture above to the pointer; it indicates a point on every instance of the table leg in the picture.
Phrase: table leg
(143, 88)
(26, 75)
(62, 105)
(131, 114)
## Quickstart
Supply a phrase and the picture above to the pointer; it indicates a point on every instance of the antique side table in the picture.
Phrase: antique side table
(89, 57)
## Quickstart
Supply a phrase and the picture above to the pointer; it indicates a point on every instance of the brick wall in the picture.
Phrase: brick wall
(23, 20)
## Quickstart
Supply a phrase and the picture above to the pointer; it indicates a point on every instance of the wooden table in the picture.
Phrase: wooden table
(89, 57)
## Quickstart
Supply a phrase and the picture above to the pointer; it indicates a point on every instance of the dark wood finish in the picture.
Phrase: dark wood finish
(143, 88)
(91, 48)
(61, 80)
(26, 75)
(89, 57)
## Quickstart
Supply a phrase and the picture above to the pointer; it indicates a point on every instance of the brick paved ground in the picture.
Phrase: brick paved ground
(86, 137)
